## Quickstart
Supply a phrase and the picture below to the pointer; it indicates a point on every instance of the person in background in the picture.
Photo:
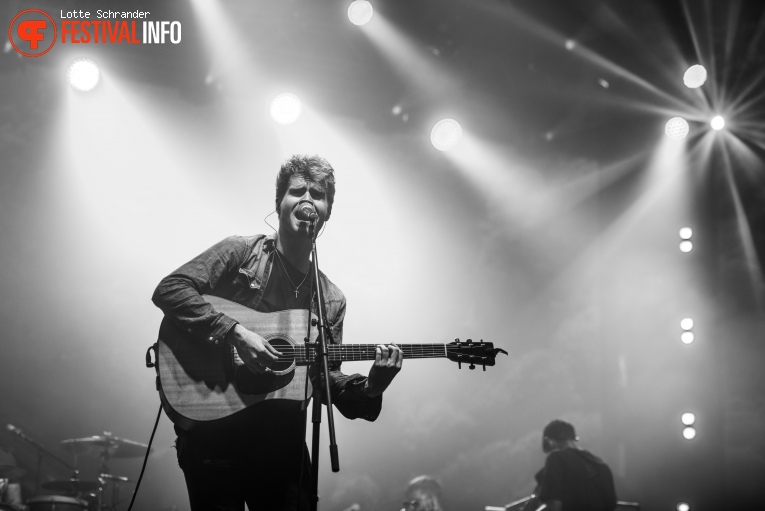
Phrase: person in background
(423, 494)
(10, 488)
(573, 479)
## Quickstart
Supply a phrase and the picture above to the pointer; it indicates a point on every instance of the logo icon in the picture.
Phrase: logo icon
(32, 33)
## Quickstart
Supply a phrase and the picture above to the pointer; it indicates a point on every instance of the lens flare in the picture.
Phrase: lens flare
(695, 76)
(676, 128)
(83, 75)
(446, 134)
(286, 108)
(360, 12)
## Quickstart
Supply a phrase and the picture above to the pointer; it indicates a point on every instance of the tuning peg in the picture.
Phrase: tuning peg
(472, 366)
(469, 341)
(459, 364)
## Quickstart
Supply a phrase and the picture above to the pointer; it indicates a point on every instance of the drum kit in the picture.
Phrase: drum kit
(75, 494)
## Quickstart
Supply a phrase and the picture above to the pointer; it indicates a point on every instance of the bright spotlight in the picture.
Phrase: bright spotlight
(570, 44)
(360, 12)
(686, 323)
(689, 433)
(686, 246)
(445, 134)
(83, 75)
(695, 76)
(676, 128)
(717, 122)
(688, 418)
(687, 337)
(286, 108)
(683, 506)
(685, 233)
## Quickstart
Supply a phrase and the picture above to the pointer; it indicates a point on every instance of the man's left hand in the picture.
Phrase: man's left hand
(387, 364)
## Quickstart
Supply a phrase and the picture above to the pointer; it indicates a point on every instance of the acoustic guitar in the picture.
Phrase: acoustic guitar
(201, 385)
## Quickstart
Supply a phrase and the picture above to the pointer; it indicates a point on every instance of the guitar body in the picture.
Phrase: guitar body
(201, 384)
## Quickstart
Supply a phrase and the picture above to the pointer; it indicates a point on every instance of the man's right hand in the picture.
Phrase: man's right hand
(253, 349)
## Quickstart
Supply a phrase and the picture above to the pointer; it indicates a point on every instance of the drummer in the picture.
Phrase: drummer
(10, 488)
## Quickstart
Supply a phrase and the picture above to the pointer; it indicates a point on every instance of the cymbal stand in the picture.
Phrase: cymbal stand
(115, 483)
(104, 469)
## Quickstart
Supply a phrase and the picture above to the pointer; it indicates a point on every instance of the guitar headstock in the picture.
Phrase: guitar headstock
(474, 353)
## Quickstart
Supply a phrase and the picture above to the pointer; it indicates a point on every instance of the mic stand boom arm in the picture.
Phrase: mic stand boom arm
(41, 452)
(322, 366)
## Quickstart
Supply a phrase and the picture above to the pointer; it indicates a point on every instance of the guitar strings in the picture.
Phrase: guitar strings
(351, 352)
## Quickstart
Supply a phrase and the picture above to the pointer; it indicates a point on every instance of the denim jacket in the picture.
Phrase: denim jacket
(237, 268)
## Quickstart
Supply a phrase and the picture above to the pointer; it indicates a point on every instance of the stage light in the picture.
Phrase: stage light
(446, 134)
(686, 246)
(686, 323)
(689, 433)
(360, 12)
(286, 108)
(687, 337)
(683, 506)
(570, 44)
(695, 76)
(685, 233)
(688, 418)
(717, 123)
(676, 128)
(83, 75)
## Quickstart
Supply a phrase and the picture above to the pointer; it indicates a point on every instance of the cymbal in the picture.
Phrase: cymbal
(117, 479)
(11, 471)
(108, 446)
(72, 486)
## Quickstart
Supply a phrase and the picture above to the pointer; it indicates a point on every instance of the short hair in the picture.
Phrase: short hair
(424, 483)
(312, 168)
(560, 431)
(424, 493)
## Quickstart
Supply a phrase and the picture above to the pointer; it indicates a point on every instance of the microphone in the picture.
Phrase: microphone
(306, 212)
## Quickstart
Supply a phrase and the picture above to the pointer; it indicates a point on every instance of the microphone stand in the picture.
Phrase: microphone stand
(41, 453)
(322, 367)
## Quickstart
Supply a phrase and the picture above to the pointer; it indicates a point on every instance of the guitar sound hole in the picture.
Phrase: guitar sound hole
(248, 382)
(287, 351)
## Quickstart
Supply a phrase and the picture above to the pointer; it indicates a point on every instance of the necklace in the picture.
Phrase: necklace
(297, 288)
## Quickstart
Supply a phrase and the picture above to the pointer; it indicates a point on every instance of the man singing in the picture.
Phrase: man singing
(263, 460)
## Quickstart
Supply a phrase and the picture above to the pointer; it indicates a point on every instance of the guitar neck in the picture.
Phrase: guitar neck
(351, 352)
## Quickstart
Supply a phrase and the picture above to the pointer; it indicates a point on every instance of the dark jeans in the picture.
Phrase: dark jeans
(223, 474)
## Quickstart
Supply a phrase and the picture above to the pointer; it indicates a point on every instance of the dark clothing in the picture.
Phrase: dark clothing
(579, 480)
(263, 459)
(263, 462)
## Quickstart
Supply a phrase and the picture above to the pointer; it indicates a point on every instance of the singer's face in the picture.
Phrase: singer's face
(299, 192)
